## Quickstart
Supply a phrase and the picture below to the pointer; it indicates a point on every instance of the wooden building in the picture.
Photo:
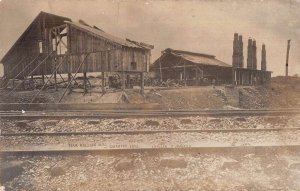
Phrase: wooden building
(54, 45)
(190, 68)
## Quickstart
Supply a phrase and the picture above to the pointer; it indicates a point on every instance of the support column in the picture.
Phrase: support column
(241, 78)
(84, 82)
(69, 77)
(233, 76)
(128, 81)
(123, 81)
(160, 71)
(23, 84)
(197, 77)
(55, 78)
(142, 83)
(43, 78)
(184, 74)
(103, 82)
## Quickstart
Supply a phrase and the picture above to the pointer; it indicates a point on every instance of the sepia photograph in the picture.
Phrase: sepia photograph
(149, 95)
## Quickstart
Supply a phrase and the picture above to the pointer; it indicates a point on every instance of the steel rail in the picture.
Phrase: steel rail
(141, 113)
(258, 149)
(161, 110)
(137, 132)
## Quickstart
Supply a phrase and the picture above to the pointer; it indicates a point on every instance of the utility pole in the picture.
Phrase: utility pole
(287, 58)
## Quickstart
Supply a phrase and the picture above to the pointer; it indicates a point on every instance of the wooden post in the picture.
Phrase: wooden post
(233, 76)
(184, 74)
(55, 54)
(55, 78)
(84, 76)
(69, 77)
(123, 81)
(197, 77)
(103, 82)
(43, 78)
(237, 77)
(142, 83)
(84, 82)
(160, 69)
(23, 84)
(68, 52)
(128, 81)
(123, 75)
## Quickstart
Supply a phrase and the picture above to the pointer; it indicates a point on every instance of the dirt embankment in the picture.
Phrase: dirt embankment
(283, 93)
(189, 98)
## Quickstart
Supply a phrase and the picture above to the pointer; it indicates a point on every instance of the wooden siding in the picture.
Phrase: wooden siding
(28, 49)
(102, 55)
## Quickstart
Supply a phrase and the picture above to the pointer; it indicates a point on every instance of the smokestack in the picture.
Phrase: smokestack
(249, 54)
(241, 52)
(287, 58)
(235, 55)
(254, 58)
(263, 58)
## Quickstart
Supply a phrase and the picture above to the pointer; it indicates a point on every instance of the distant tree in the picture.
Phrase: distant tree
(296, 75)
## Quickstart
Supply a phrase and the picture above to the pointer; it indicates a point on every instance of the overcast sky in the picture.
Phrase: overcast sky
(199, 26)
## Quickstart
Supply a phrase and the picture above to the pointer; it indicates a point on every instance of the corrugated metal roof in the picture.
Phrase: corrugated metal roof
(105, 35)
(198, 58)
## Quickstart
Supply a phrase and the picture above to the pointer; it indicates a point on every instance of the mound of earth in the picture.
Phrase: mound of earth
(284, 92)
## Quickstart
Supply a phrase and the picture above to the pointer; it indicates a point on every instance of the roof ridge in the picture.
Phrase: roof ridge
(192, 53)
(108, 36)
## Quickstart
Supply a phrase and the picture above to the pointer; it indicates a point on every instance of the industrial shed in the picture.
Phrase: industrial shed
(53, 45)
(190, 68)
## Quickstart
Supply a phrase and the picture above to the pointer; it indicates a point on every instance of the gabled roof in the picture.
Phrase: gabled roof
(32, 25)
(106, 36)
(196, 58)
(85, 27)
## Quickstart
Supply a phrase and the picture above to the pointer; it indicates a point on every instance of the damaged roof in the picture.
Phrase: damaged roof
(100, 33)
(198, 58)
(54, 19)
(51, 21)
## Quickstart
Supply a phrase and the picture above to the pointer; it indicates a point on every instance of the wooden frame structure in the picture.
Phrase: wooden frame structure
(191, 68)
(55, 45)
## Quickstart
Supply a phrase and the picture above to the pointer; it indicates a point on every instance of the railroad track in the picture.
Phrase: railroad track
(147, 132)
(257, 149)
(61, 142)
(145, 146)
(142, 113)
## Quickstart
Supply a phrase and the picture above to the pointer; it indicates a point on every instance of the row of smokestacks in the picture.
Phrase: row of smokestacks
(238, 57)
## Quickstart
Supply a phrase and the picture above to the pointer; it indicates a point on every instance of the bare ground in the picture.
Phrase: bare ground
(283, 93)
